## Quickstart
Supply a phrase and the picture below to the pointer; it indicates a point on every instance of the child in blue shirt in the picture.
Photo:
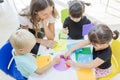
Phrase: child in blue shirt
(22, 42)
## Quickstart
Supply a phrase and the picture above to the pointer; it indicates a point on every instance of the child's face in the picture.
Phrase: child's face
(100, 46)
(75, 19)
(46, 13)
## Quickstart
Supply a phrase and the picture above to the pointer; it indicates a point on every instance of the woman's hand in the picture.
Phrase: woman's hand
(49, 29)
(50, 43)
(44, 23)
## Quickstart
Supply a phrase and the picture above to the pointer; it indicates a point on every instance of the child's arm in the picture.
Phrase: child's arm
(95, 63)
(43, 70)
(79, 45)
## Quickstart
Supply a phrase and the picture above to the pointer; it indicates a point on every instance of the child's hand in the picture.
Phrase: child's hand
(67, 54)
(66, 31)
(56, 60)
(71, 63)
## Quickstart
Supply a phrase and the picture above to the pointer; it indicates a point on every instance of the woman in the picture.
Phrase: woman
(39, 19)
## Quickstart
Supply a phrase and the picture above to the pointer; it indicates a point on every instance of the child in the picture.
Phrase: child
(100, 37)
(39, 18)
(22, 42)
(73, 24)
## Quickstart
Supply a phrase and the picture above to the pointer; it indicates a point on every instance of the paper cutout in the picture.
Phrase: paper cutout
(86, 50)
(84, 58)
(42, 61)
(85, 74)
(86, 29)
(60, 46)
(62, 66)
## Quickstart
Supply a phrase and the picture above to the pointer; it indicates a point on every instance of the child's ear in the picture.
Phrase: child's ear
(21, 50)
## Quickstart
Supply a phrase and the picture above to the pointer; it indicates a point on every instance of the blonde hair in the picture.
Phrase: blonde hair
(21, 39)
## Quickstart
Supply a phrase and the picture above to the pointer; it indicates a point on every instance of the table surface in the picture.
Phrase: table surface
(53, 74)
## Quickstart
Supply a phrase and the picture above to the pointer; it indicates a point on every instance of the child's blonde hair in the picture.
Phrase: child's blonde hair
(21, 39)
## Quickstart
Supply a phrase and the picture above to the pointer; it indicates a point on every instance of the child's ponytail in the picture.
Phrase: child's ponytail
(86, 3)
(115, 34)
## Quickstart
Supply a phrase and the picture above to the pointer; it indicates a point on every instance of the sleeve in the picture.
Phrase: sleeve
(105, 55)
(28, 68)
(86, 20)
(65, 24)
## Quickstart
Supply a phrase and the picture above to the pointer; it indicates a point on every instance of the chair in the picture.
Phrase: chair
(7, 63)
(115, 45)
(64, 14)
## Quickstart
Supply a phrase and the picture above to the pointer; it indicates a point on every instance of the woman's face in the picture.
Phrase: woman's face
(46, 13)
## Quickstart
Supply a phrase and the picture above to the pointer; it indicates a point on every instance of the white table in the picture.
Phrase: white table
(54, 74)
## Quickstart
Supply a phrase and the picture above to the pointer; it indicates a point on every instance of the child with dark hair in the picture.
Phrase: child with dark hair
(100, 37)
(73, 24)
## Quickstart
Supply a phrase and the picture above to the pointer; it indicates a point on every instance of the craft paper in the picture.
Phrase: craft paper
(60, 45)
(85, 74)
(86, 29)
(62, 66)
(42, 61)
(84, 58)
